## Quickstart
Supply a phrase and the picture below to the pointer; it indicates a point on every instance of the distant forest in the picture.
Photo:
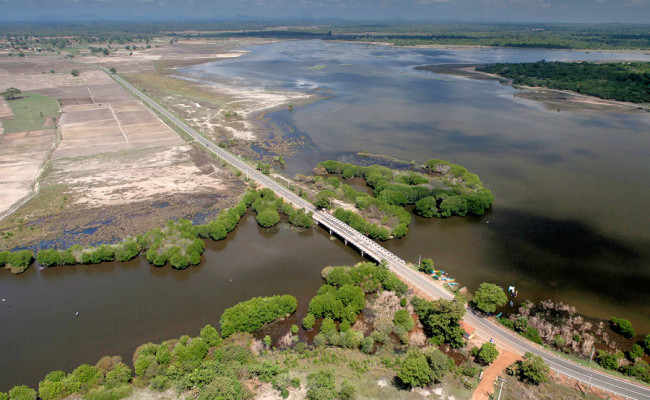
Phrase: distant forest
(615, 81)
(554, 36)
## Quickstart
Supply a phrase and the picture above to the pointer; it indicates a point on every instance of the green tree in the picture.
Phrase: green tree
(623, 326)
(308, 321)
(532, 369)
(426, 207)
(120, 375)
(414, 370)
(426, 265)
(323, 199)
(22, 393)
(210, 335)
(439, 364)
(10, 93)
(74, 72)
(487, 353)
(52, 388)
(646, 342)
(607, 360)
(488, 297)
(403, 320)
(636, 351)
(268, 218)
(112, 70)
(441, 320)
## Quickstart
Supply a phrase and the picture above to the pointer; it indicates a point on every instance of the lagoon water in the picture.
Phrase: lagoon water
(572, 189)
(570, 220)
(122, 306)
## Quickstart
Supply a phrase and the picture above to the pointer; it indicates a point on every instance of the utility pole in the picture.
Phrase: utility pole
(593, 349)
(501, 387)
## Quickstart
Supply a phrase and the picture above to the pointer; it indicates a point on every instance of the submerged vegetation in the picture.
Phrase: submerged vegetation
(616, 81)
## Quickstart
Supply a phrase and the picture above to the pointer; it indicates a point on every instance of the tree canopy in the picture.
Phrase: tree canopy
(488, 297)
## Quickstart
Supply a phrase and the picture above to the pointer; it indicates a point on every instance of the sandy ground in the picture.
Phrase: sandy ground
(486, 386)
(21, 158)
(116, 164)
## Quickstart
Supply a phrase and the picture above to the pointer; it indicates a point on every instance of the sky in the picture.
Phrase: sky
(636, 11)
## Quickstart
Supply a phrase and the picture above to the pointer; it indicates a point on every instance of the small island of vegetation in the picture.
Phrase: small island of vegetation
(613, 81)
(439, 189)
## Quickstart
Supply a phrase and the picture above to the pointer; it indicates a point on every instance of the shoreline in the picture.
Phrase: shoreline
(469, 71)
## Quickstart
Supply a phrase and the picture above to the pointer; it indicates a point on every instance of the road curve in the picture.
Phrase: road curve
(485, 328)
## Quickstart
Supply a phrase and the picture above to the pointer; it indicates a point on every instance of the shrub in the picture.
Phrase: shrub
(22, 393)
(532, 369)
(414, 370)
(250, 315)
(636, 351)
(120, 375)
(321, 385)
(268, 218)
(367, 344)
(308, 321)
(301, 219)
(210, 335)
(607, 360)
(52, 387)
(623, 326)
(403, 320)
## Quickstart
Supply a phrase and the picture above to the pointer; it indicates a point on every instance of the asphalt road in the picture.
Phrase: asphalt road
(484, 327)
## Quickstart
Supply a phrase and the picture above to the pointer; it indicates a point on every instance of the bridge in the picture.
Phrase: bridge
(485, 328)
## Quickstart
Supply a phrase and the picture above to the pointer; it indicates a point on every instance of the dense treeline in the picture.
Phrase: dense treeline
(616, 81)
(178, 243)
(560, 36)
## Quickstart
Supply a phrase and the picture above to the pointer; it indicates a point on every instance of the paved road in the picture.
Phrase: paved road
(485, 328)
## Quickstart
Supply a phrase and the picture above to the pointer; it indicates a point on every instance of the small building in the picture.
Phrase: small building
(468, 329)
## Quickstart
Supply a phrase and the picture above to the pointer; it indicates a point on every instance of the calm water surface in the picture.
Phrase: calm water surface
(569, 222)
(571, 218)
(122, 306)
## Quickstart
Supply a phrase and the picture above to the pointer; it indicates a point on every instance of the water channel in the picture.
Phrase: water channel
(122, 306)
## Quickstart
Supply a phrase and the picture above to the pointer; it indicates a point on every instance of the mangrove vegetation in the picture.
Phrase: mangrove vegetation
(615, 81)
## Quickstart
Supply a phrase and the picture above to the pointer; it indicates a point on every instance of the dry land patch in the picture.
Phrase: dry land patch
(116, 171)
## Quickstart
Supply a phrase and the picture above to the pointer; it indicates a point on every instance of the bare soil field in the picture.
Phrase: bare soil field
(21, 157)
(116, 171)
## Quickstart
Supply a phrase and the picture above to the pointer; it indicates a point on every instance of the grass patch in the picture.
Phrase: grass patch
(30, 111)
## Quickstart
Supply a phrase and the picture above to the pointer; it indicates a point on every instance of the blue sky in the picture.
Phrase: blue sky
(423, 10)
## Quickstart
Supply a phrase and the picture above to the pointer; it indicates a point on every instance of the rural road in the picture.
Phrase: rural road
(484, 327)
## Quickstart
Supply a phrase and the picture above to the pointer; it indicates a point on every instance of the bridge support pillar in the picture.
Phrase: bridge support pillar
(346, 241)
(362, 255)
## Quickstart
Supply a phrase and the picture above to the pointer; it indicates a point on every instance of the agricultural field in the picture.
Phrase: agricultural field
(83, 161)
